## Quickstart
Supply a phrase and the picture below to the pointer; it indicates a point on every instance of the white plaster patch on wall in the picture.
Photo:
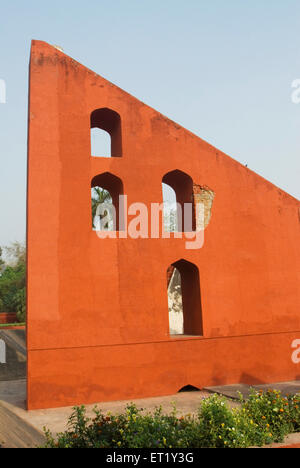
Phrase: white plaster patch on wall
(2, 352)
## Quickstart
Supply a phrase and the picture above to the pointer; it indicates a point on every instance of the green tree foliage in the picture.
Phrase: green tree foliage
(2, 266)
(170, 219)
(2, 263)
(13, 281)
(99, 196)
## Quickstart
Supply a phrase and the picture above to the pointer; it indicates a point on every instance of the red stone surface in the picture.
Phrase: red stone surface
(98, 326)
(296, 446)
(170, 272)
(13, 327)
(8, 318)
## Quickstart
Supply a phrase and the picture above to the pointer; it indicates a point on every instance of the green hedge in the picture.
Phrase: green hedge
(262, 419)
(7, 325)
(13, 281)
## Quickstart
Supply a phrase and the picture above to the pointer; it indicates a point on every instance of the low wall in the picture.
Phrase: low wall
(8, 318)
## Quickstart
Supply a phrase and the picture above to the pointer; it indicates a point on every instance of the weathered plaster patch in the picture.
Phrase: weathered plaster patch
(205, 196)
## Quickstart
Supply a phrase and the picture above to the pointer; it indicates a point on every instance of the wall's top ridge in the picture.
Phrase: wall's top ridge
(42, 52)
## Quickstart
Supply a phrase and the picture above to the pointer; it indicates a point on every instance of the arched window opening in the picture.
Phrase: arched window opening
(170, 209)
(184, 299)
(176, 320)
(109, 122)
(106, 190)
(104, 222)
(100, 143)
(184, 213)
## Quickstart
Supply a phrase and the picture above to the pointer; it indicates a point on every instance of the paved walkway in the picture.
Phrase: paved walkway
(15, 366)
(13, 396)
(15, 432)
(232, 391)
(13, 393)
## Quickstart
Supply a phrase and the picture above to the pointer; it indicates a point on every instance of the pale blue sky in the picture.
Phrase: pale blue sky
(222, 69)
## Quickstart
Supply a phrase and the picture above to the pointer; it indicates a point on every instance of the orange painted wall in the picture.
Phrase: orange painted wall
(97, 326)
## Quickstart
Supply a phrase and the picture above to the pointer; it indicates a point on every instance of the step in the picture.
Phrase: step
(15, 432)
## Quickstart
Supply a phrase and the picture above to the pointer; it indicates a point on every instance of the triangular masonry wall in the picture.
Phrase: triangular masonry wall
(97, 326)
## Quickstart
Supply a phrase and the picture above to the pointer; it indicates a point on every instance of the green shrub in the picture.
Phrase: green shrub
(257, 422)
(13, 282)
(271, 412)
(294, 412)
(19, 301)
(131, 429)
(221, 427)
